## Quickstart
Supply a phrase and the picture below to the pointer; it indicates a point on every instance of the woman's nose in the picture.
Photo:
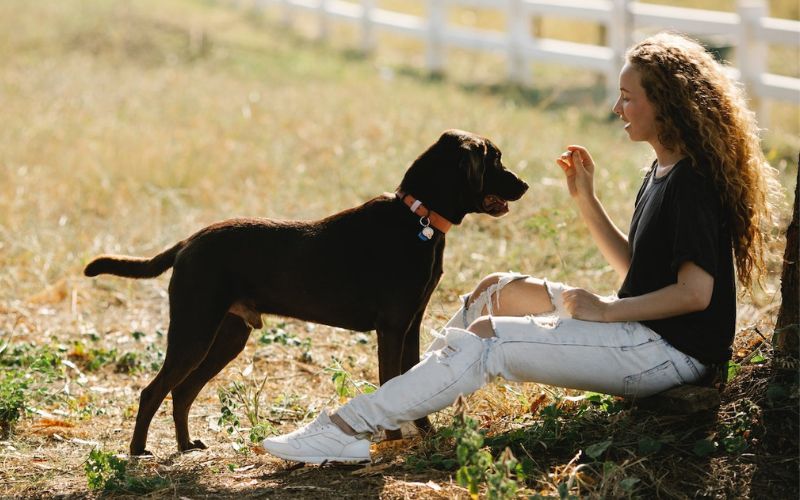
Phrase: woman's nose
(617, 108)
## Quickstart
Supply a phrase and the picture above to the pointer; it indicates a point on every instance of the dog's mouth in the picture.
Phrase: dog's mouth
(494, 205)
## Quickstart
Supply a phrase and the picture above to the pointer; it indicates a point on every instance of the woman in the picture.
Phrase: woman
(698, 210)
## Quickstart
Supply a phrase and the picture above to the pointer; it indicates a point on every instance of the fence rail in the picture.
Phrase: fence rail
(749, 30)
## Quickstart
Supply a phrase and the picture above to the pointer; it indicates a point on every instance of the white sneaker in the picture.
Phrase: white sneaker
(318, 442)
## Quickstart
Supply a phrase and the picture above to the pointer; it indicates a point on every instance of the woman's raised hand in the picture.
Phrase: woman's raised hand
(578, 167)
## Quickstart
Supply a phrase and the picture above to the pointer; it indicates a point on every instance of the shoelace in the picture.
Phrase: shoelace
(313, 426)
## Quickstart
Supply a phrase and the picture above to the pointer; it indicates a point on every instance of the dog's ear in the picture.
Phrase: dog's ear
(472, 156)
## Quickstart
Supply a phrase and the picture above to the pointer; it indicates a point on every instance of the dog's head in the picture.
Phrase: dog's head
(463, 173)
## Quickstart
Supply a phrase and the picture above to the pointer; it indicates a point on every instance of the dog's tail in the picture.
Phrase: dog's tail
(134, 267)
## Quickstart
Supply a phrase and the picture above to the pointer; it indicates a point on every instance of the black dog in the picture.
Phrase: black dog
(373, 267)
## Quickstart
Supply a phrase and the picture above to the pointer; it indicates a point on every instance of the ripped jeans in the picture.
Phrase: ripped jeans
(626, 359)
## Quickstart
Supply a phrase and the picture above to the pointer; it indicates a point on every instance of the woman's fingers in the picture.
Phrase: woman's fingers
(578, 162)
(583, 304)
(565, 162)
(582, 151)
(568, 296)
(579, 169)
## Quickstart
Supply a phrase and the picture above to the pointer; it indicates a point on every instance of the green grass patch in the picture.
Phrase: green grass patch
(108, 473)
(12, 400)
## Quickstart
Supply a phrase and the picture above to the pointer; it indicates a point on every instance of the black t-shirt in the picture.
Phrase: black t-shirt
(679, 218)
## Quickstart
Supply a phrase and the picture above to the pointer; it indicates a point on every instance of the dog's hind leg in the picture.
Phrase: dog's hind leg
(229, 342)
(191, 332)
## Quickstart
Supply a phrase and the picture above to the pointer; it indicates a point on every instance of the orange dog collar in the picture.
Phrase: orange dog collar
(428, 217)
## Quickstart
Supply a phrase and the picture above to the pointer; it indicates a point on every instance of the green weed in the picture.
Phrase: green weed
(476, 464)
(344, 384)
(91, 358)
(436, 451)
(12, 400)
(32, 358)
(104, 470)
(243, 397)
(154, 357)
(287, 407)
(109, 473)
(280, 335)
(604, 402)
(130, 362)
(735, 432)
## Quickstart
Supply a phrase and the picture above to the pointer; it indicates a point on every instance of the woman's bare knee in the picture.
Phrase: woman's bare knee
(482, 327)
(521, 295)
(485, 284)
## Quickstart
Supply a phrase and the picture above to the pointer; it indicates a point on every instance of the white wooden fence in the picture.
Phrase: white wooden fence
(749, 29)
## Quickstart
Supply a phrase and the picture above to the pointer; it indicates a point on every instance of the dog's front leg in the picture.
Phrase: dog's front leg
(390, 355)
(398, 352)
(409, 359)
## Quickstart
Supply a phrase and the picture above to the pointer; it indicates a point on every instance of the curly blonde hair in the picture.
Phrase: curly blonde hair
(702, 113)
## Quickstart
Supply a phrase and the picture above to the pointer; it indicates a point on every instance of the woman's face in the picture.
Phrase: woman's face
(634, 108)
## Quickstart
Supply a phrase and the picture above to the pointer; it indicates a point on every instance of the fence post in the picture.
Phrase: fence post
(436, 24)
(324, 25)
(518, 31)
(617, 37)
(751, 54)
(286, 18)
(367, 28)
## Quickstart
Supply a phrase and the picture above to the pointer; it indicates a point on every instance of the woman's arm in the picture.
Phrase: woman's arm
(691, 293)
(578, 167)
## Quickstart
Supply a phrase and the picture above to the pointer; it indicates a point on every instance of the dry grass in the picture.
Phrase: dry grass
(130, 125)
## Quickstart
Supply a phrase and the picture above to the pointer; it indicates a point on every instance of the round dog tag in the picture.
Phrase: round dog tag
(427, 232)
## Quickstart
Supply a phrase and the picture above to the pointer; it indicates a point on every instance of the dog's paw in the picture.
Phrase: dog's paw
(394, 434)
(141, 454)
(423, 426)
(195, 445)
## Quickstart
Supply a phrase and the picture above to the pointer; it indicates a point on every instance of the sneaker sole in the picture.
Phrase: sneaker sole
(321, 460)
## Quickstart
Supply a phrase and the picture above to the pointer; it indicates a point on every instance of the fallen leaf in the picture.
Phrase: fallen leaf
(429, 484)
(433, 486)
(538, 402)
(371, 470)
(586, 479)
(244, 469)
(83, 441)
(51, 422)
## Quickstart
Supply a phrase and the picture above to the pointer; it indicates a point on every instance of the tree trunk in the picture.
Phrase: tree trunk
(786, 328)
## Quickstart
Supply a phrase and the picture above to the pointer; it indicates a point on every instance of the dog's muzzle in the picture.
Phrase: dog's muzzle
(494, 205)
